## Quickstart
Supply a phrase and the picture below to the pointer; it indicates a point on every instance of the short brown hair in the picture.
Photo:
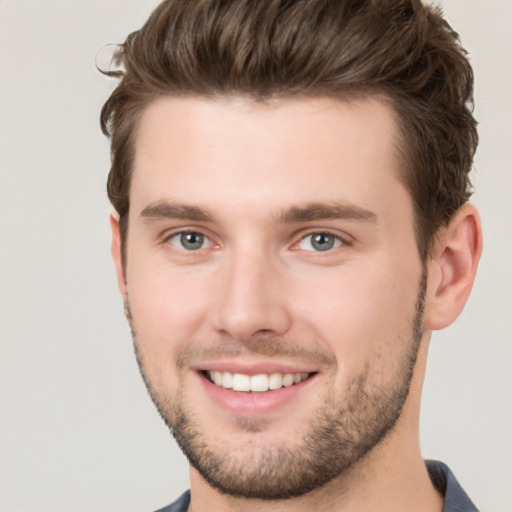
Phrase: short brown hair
(400, 50)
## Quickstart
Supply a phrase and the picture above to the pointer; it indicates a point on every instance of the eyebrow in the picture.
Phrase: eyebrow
(326, 211)
(165, 210)
(306, 213)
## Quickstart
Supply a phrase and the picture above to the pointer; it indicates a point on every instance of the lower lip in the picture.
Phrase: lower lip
(253, 403)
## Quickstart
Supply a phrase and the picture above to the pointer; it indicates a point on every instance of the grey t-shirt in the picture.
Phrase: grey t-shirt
(455, 499)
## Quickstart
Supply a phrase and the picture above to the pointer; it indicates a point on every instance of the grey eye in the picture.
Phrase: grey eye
(320, 242)
(190, 240)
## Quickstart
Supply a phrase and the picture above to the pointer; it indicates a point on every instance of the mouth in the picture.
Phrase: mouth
(260, 383)
(251, 390)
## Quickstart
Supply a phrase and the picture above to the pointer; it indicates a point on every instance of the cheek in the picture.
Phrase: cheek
(167, 307)
(362, 316)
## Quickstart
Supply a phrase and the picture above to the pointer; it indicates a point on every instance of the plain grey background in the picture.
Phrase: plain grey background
(78, 432)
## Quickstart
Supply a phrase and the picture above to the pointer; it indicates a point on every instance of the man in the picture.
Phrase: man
(290, 184)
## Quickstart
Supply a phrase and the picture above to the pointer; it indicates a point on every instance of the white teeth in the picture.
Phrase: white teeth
(217, 378)
(288, 380)
(275, 381)
(241, 382)
(258, 383)
(227, 380)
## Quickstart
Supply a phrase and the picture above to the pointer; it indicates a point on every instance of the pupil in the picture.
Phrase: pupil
(192, 241)
(322, 242)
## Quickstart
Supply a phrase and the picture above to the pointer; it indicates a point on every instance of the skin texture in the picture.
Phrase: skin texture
(255, 182)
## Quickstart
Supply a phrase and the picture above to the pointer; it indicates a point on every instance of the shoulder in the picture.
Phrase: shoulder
(180, 505)
(455, 498)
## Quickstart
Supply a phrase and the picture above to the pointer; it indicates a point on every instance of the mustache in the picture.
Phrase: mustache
(267, 346)
(275, 348)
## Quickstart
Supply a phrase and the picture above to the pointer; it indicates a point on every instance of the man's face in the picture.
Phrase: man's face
(272, 246)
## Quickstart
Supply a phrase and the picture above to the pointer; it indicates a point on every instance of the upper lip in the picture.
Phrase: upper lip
(254, 368)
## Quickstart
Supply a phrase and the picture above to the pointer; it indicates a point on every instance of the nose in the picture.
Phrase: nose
(252, 301)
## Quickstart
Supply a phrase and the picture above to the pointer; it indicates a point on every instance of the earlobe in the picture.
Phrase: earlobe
(116, 251)
(454, 265)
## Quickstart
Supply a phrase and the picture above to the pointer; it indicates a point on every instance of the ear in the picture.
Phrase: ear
(116, 251)
(452, 269)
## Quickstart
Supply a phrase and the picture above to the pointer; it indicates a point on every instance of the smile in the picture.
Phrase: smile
(257, 383)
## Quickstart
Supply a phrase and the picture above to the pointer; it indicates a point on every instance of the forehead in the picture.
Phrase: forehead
(229, 152)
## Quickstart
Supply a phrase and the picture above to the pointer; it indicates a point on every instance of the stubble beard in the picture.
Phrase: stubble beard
(339, 436)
